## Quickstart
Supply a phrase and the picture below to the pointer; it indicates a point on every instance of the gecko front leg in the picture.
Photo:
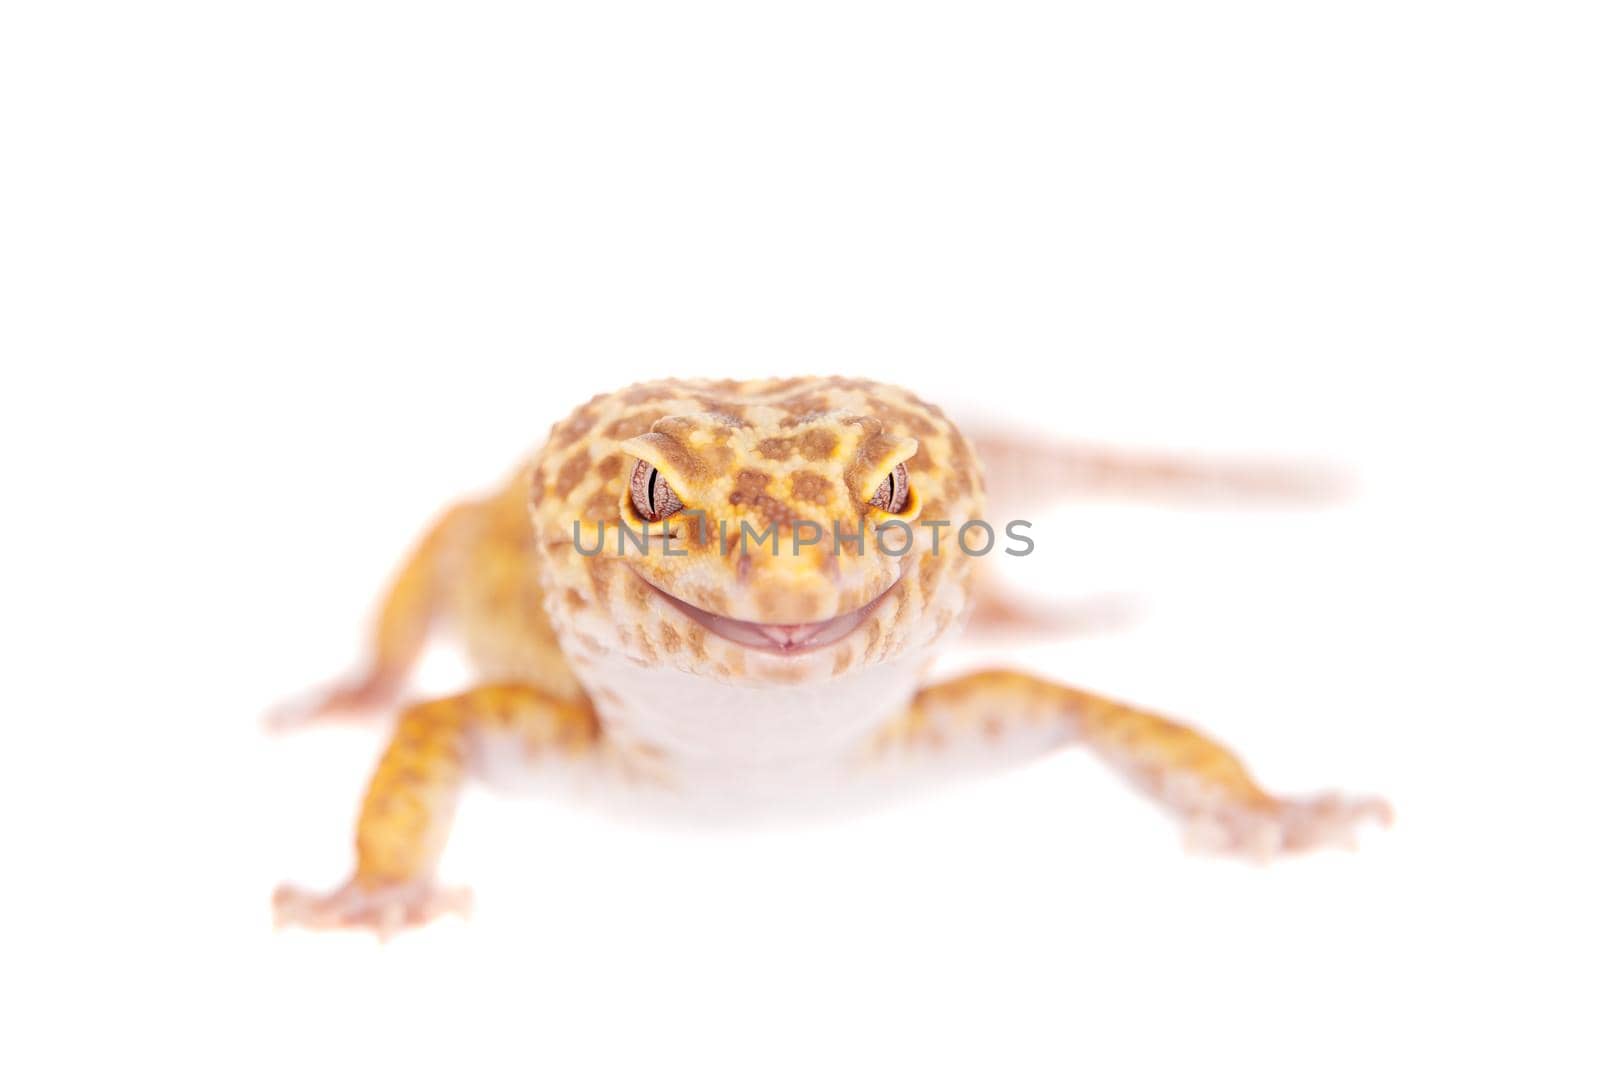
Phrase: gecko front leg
(410, 803)
(1194, 777)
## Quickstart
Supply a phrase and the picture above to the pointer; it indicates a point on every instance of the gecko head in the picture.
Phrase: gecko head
(769, 531)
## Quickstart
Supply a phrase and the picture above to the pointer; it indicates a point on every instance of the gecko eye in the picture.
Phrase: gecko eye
(652, 496)
(891, 495)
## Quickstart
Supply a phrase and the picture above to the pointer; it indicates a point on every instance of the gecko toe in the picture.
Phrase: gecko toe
(384, 910)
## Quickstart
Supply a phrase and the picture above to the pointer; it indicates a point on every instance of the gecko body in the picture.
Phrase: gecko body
(729, 595)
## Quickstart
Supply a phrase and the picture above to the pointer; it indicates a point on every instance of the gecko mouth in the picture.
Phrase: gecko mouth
(784, 639)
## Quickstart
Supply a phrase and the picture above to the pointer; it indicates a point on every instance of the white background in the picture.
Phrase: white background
(279, 280)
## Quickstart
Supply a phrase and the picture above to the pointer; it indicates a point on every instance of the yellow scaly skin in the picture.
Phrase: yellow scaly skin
(616, 662)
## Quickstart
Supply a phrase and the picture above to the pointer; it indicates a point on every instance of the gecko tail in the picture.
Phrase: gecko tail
(1027, 470)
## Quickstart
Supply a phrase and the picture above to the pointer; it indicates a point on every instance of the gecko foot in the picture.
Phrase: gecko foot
(1286, 825)
(347, 701)
(384, 910)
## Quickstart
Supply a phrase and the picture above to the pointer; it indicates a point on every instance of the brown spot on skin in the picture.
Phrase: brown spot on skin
(602, 504)
(874, 635)
(646, 394)
(917, 425)
(817, 444)
(750, 491)
(768, 601)
(875, 450)
(842, 660)
(776, 385)
(609, 467)
(788, 674)
(575, 599)
(671, 639)
(572, 472)
(776, 448)
(697, 642)
(697, 532)
(955, 482)
(804, 409)
(600, 578)
(632, 425)
(827, 562)
(733, 413)
(960, 452)
(569, 431)
(808, 487)
(750, 486)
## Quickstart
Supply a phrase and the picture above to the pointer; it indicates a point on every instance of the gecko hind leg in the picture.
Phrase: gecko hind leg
(1002, 613)
(1195, 778)
(405, 616)
(1024, 470)
(410, 804)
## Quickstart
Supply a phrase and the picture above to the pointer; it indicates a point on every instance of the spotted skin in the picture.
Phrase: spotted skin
(752, 458)
(625, 648)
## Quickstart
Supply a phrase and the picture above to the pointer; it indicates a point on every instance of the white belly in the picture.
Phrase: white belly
(745, 740)
(683, 746)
